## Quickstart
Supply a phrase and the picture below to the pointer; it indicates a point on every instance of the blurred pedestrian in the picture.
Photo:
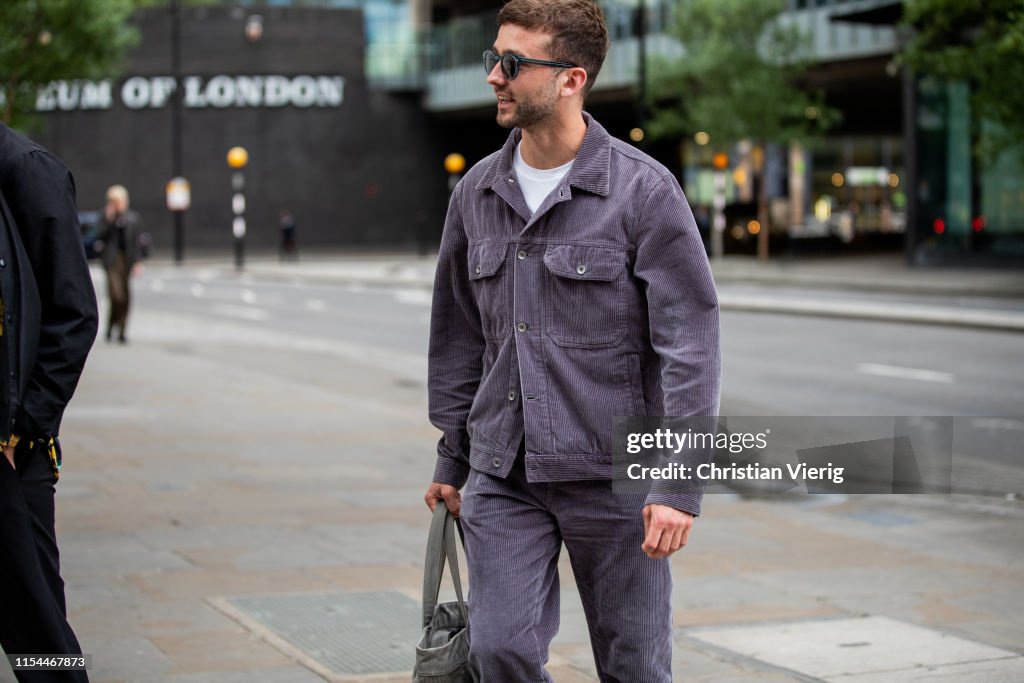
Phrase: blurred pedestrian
(47, 328)
(289, 250)
(571, 287)
(121, 234)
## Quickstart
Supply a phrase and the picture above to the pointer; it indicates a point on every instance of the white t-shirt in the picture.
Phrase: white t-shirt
(537, 183)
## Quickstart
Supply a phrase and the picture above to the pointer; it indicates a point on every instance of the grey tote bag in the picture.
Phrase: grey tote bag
(442, 654)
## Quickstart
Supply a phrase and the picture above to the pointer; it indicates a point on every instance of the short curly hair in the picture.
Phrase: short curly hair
(577, 29)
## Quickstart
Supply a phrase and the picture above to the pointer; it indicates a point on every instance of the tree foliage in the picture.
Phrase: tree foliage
(981, 43)
(738, 77)
(47, 40)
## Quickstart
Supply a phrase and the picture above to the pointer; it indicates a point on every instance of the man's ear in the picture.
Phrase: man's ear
(577, 78)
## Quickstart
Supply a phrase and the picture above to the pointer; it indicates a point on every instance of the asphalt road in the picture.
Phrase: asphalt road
(773, 364)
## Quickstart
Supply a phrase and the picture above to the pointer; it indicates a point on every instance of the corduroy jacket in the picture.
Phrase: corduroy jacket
(547, 326)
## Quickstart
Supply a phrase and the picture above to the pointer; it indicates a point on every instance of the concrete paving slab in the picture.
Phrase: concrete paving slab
(843, 647)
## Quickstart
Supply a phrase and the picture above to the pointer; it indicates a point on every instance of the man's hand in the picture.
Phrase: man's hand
(666, 530)
(9, 454)
(449, 494)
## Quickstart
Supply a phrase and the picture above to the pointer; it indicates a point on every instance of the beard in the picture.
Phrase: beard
(529, 112)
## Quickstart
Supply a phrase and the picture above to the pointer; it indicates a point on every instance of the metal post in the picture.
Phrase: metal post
(718, 222)
(238, 226)
(641, 71)
(176, 137)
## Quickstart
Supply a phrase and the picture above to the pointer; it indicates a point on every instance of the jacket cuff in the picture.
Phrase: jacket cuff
(684, 502)
(451, 472)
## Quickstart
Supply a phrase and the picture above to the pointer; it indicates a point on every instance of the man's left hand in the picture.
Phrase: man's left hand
(9, 454)
(666, 530)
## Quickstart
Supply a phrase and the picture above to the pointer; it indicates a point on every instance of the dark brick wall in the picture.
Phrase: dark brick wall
(365, 173)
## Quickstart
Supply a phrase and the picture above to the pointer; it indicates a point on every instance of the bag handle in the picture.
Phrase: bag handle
(441, 545)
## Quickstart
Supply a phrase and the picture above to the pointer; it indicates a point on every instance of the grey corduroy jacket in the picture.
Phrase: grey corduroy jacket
(547, 326)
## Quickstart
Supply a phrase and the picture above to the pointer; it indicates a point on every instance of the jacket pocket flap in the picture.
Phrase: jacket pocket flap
(486, 258)
(585, 263)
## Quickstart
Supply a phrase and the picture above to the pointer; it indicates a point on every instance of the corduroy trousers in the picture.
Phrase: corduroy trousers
(514, 535)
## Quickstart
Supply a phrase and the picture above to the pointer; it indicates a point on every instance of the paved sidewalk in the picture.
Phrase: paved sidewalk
(862, 287)
(235, 509)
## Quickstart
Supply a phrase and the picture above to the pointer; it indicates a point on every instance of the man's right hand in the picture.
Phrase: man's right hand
(443, 492)
(9, 454)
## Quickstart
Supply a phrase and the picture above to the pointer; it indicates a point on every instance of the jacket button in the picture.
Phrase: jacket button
(581, 269)
(497, 462)
(3, 263)
(522, 327)
(521, 255)
(478, 268)
(511, 395)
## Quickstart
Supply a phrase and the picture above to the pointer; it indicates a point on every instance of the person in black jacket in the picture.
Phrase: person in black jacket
(120, 235)
(47, 327)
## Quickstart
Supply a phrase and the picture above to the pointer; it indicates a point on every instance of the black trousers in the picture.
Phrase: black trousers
(33, 614)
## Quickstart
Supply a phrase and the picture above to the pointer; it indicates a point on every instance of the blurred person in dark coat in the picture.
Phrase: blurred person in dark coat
(47, 327)
(289, 250)
(120, 233)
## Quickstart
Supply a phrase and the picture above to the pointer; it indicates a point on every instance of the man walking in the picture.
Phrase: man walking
(572, 286)
(49, 323)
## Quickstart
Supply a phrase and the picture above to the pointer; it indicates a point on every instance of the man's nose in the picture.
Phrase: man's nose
(495, 77)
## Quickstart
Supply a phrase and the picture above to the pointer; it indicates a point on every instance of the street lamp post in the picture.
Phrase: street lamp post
(721, 162)
(641, 75)
(176, 137)
(238, 157)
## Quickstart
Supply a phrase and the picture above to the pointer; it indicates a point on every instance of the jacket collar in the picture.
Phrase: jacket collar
(590, 169)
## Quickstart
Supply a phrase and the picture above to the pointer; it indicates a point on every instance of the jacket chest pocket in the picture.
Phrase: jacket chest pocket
(492, 288)
(586, 295)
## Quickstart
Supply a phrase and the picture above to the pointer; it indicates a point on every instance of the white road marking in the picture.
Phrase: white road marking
(198, 290)
(207, 274)
(415, 297)
(316, 305)
(898, 372)
(157, 285)
(249, 296)
(254, 314)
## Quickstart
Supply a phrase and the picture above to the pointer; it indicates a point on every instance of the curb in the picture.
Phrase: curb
(916, 315)
(910, 314)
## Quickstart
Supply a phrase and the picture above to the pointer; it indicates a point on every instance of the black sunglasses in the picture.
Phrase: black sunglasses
(510, 63)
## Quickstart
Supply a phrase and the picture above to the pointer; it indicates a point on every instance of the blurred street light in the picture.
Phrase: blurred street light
(238, 157)
(702, 138)
(254, 28)
(636, 135)
(455, 163)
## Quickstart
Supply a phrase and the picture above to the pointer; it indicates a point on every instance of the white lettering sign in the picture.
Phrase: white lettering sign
(219, 92)
(75, 95)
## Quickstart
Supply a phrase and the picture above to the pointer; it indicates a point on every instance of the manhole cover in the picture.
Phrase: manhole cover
(349, 633)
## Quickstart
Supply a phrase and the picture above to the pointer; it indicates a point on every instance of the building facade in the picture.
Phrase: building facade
(348, 108)
(355, 164)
